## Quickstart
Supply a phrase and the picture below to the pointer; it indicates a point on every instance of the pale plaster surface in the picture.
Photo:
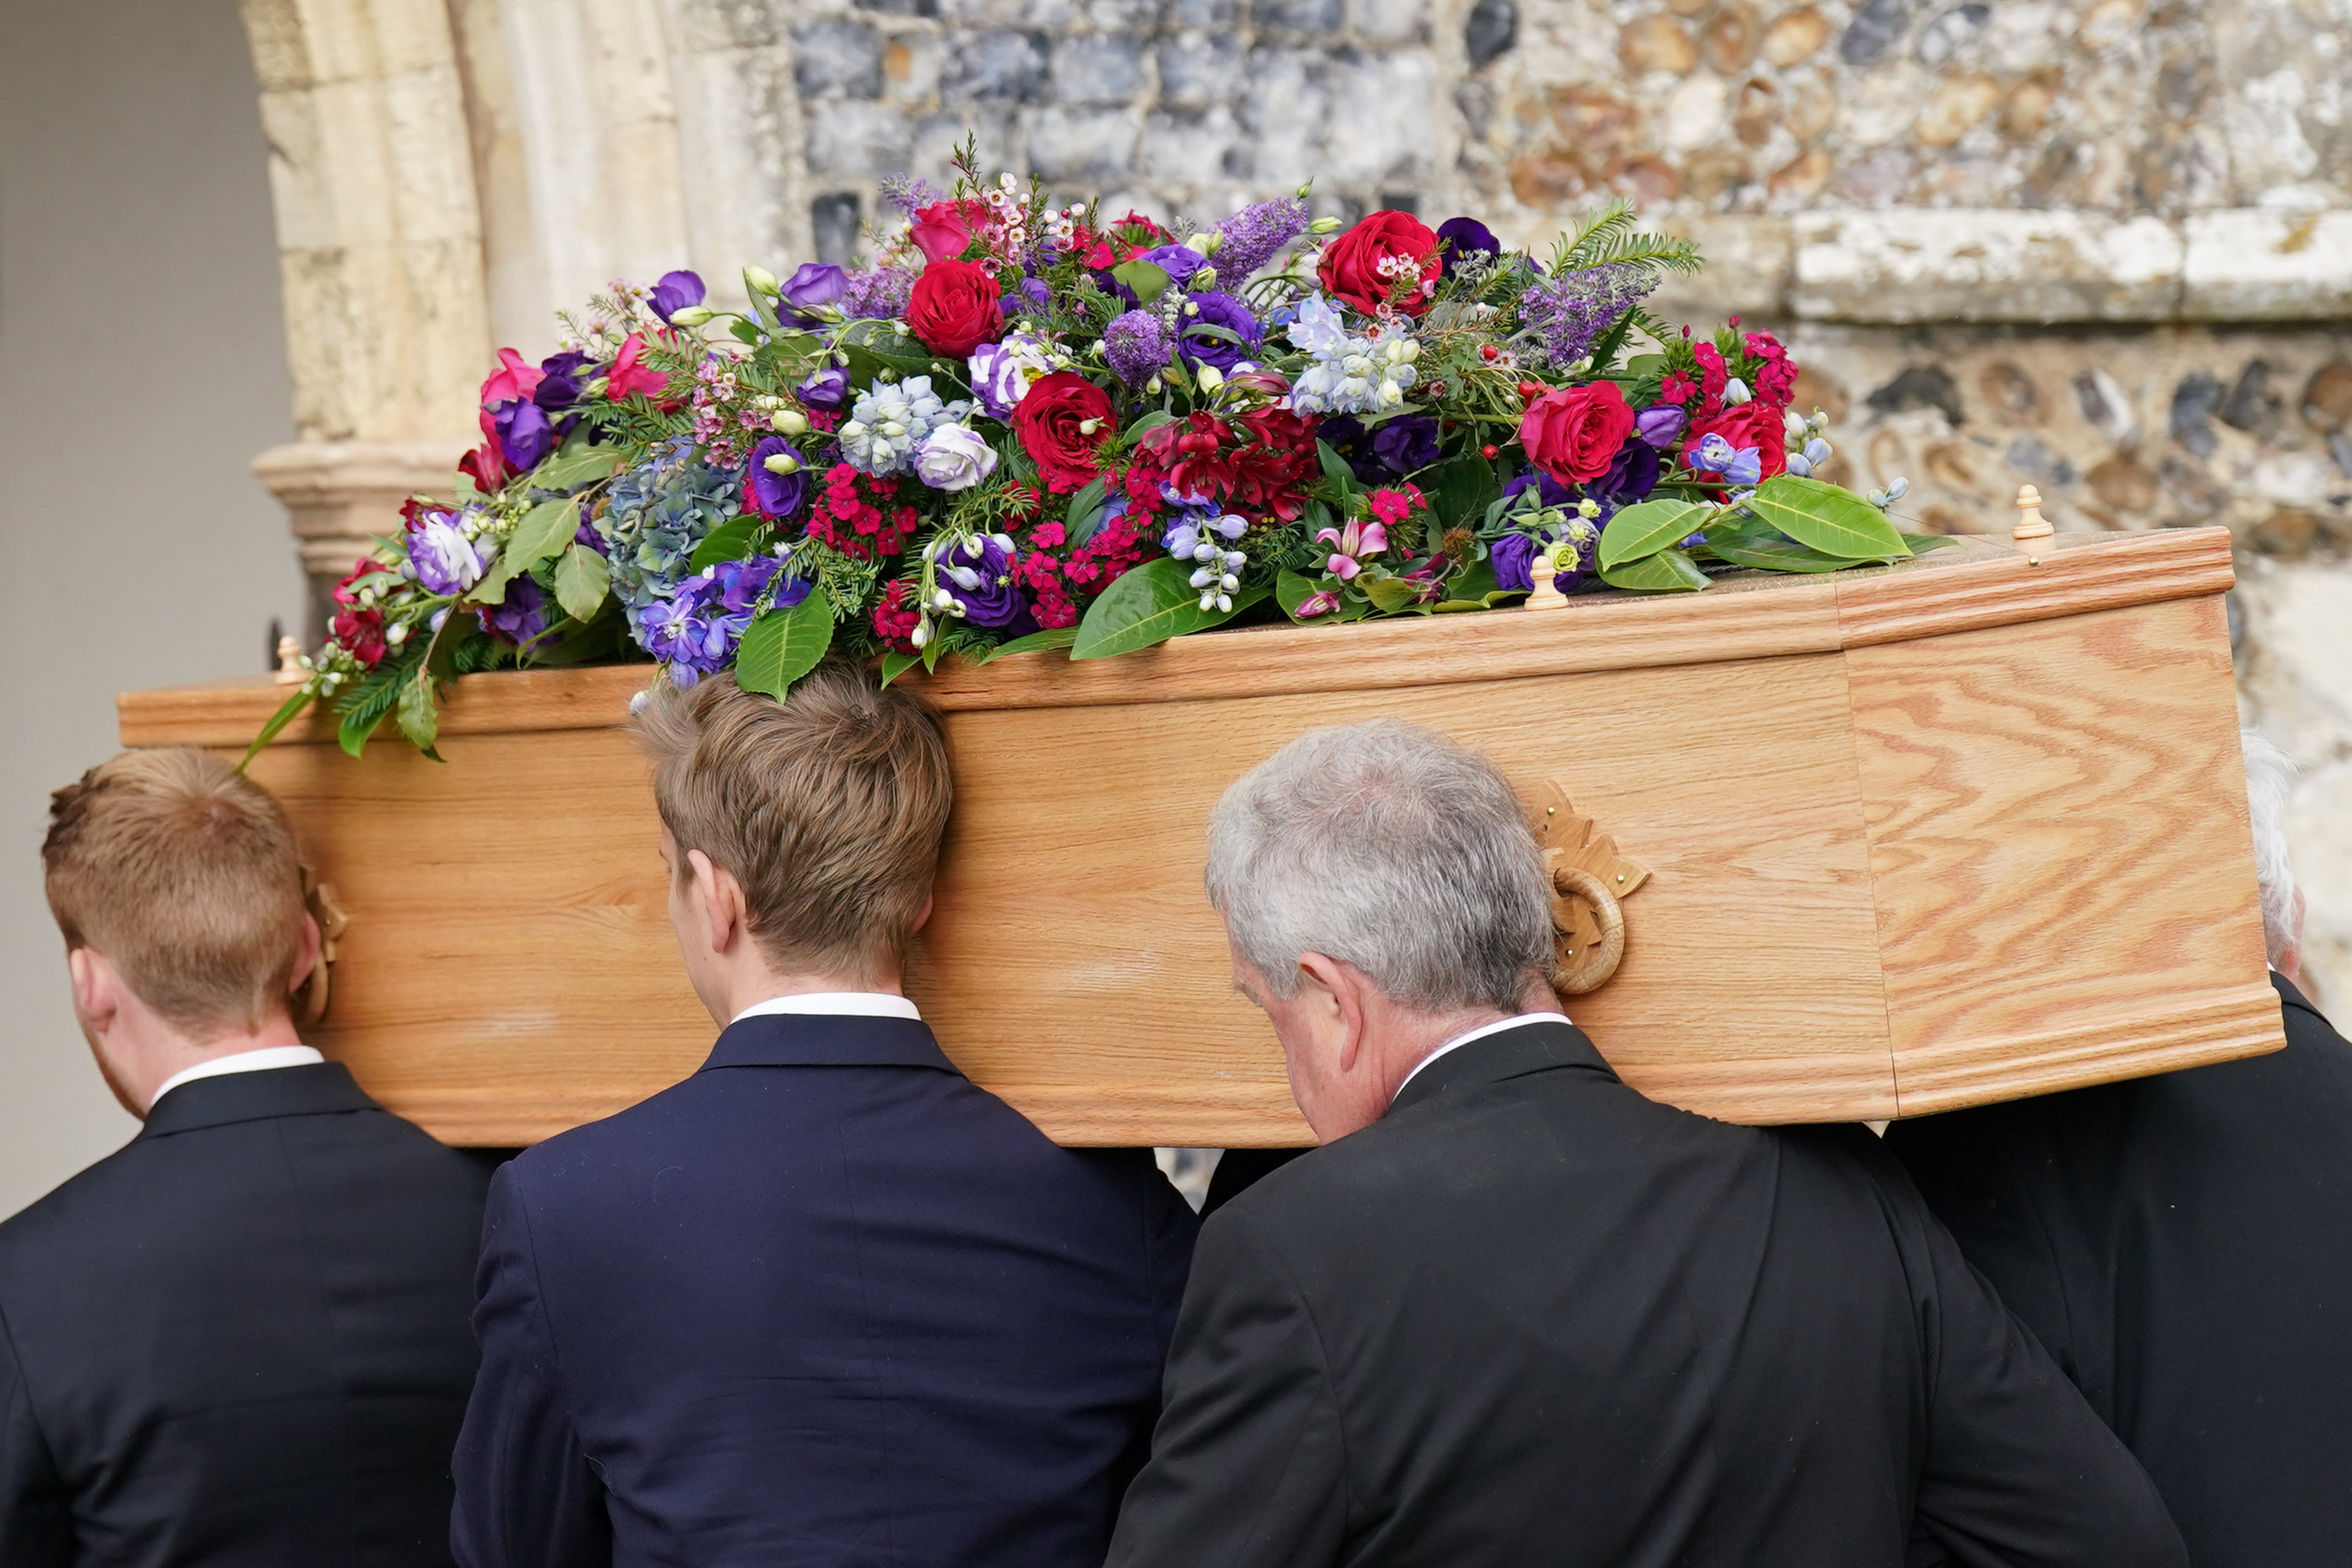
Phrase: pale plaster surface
(142, 365)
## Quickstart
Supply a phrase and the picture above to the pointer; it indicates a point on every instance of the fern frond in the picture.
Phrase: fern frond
(1670, 251)
(1615, 217)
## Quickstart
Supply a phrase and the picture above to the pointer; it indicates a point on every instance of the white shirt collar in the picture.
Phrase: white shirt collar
(1480, 1033)
(261, 1060)
(837, 1003)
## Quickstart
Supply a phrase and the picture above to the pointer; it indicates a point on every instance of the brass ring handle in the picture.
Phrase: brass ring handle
(1578, 973)
(310, 995)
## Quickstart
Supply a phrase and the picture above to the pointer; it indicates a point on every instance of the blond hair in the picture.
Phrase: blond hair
(828, 807)
(185, 875)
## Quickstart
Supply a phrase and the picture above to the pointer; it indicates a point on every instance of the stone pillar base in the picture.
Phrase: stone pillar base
(344, 495)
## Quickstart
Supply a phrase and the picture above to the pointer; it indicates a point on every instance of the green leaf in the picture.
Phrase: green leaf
(1085, 516)
(1648, 527)
(895, 664)
(730, 541)
(278, 720)
(1390, 594)
(1771, 553)
(1824, 518)
(418, 714)
(1146, 423)
(1667, 572)
(1461, 488)
(782, 646)
(544, 530)
(1921, 543)
(1148, 605)
(1334, 466)
(1036, 642)
(574, 467)
(1146, 281)
(582, 579)
(1292, 589)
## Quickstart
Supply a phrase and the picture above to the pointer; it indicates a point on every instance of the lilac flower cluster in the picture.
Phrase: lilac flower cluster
(1136, 346)
(1248, 240)
(879, 295)
(696, 629)
(1568, 312)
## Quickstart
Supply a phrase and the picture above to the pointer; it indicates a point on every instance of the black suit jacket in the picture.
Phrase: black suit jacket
(1530, 1317)
(241, 1339)
(825, 1303)
(2183, 1245)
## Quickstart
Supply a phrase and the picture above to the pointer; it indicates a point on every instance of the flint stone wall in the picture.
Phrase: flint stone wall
(2104, 247)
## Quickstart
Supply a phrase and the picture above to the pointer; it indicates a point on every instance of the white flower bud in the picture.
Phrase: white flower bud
(1229, 582)
(1191, 307)
(1735, 391)
(1588, 506)
(1088, 426)
(922, 633)
(1153, 386)
(782, 463)
(1324, 225)
(1204, 279)
(1224, 604)
(395, 634)
(1004, 541)
(760, 281)
(691, 316)
(1210, 377)
(892, 428)
(788, 422)
(1203, 578)
(944, 600)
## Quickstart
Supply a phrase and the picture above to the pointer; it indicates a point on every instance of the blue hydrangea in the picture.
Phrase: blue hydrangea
(656, 514)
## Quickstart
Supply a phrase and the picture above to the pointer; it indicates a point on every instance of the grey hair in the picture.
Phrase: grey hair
(2270, 784)
(1391, 849)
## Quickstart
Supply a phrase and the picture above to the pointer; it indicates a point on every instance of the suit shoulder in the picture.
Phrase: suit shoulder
(72, 1214)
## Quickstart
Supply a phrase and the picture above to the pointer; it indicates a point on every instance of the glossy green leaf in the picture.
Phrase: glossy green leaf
(730, 541)
(286, 712)
(1036, 642)
(1461, 488)
(544, 530)
(1649, 526)
(418, 714)
(1667, 572)
(1148, 605)
(1146, 423)
(1921, 543)
(1146, 280)
(1085, 516)
(895, 664)
(1772, 552)
(1334, 466)
(574, 467)
(582, 579)
(782, 646)
(1292, 589)
(1390, 595)
(1822, 517)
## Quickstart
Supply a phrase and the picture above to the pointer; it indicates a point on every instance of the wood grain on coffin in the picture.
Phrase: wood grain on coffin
(2057, 818)
(1072, 879)
(2182, 1032)
(2078, 574)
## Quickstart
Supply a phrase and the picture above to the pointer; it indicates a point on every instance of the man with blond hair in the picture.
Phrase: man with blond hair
(825, 1301)
(1512, 1312)
(241, 1339)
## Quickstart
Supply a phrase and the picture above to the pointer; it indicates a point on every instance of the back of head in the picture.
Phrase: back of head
(2270, 785)
(185, 875)
(1391, 849)
(828, 807)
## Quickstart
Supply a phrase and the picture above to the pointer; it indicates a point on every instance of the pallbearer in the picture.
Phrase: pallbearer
(242, 1338)
(1512, 1312)
(825, 1301)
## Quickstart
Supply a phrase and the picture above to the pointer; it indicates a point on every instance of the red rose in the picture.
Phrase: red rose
(955, 308)
(1573, 433)
(1062, 422)
(361, 632)
(1755, 423)
(943, 230)
(1364, 265)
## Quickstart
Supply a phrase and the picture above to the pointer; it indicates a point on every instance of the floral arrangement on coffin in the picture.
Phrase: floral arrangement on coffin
(1029, 426)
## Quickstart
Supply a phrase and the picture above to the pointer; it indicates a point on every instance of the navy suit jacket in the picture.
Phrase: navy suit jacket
(826, 1301)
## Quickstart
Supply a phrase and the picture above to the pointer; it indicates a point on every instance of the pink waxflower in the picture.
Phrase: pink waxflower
(1359, 539)
(515, 383)
(627, 375)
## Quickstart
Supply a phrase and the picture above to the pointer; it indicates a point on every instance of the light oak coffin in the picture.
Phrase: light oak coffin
(1961, 831)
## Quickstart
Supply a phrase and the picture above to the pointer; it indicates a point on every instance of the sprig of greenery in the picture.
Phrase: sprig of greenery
(1610, 235)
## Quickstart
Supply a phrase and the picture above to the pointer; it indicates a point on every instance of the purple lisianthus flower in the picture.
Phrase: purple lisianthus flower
(1406, 443)
(815, 284)
(443, 559)
(1136, 346)
(1511, 556)
(1463, 236)
(997, 379)
(675, 293)
(827, 389)
(525, 434)
(776, 475)
(981, 571)
(523, 617)
(586, 534)
(1179, 261)
(737, 585)
(1548, 490)
(1029, 297)
(1661, 425)
(1632, 474)
(1250, 238)
(560, 380)
(1105, 281)
(1217, 308)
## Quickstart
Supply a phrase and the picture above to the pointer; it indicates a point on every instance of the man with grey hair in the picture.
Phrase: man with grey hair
(1511, 1312)
(2183, 1246)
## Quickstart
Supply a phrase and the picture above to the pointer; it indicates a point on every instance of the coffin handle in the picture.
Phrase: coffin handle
(318, 898)
(1583, 964)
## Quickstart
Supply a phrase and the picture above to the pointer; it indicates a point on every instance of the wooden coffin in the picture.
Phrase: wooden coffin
(1959, 831)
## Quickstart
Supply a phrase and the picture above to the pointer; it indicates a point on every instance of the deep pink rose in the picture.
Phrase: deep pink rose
(1572, 433)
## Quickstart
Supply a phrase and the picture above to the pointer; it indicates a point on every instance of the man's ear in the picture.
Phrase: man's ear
(922, 916)
(311, 944)
(1336, 992)
(719, 897)
(96, 988)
